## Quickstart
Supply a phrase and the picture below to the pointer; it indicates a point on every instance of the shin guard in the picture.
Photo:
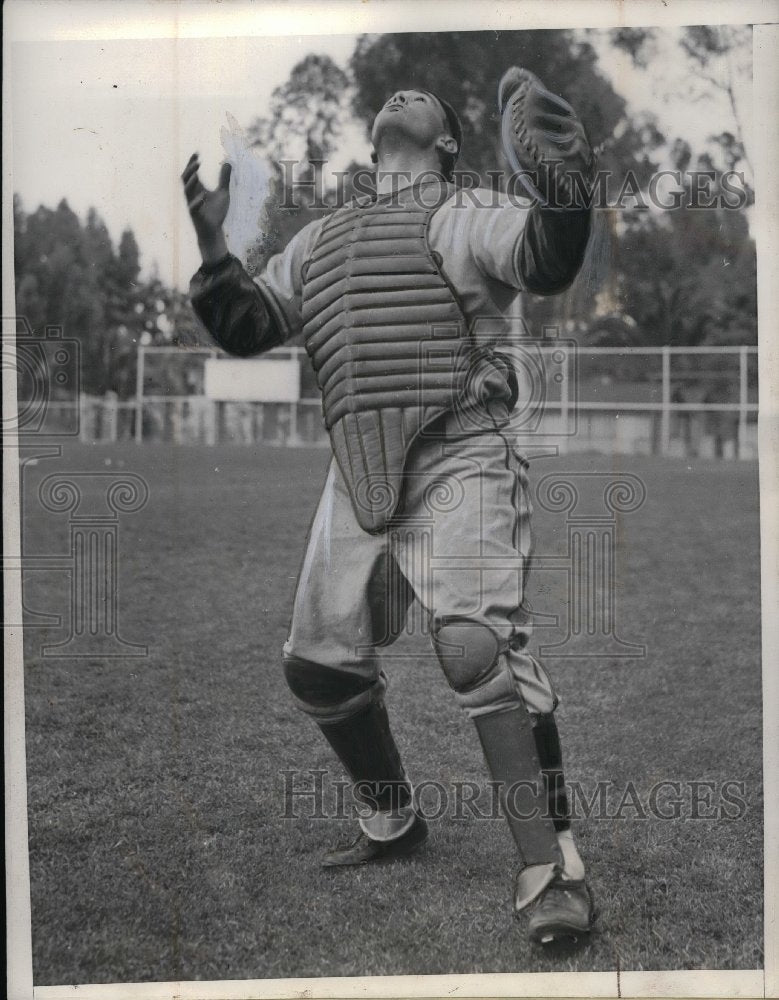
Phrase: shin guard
(507, 740)
(351, 714)
(486, 691)
(365, 746)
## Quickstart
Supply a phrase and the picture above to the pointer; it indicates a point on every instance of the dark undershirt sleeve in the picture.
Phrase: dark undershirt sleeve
(232, 308)
(551, 249)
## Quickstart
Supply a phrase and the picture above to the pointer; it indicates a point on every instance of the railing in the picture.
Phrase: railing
(671, 401)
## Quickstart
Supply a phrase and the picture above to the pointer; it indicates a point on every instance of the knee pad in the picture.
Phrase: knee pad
(467, 651)
(321, 687)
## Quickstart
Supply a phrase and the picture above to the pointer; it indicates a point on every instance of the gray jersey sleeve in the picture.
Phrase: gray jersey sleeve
(528, 248)
(281, 282)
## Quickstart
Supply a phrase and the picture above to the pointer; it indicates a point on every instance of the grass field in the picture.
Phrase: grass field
(158, 846)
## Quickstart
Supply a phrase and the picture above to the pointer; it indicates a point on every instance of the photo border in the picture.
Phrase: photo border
(55, 21)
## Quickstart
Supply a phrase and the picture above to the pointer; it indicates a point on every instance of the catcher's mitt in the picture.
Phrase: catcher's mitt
(544, 141)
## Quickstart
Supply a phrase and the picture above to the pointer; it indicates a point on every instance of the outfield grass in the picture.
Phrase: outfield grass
(158, 847)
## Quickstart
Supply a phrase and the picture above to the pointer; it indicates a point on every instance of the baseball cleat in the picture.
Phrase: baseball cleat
(563, 914)
(365, 851)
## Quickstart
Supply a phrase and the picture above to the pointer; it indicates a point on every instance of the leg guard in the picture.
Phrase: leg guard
(469, 654)
(350, 712)
(551, 758)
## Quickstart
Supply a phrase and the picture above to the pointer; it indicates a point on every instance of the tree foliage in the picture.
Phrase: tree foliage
(687, 278)
(638, 43)
(716, 59)
(70, 275)
(306, 112)
(718, 56)
(303, 125)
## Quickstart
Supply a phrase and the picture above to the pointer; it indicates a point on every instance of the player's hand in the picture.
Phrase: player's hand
(207, 209)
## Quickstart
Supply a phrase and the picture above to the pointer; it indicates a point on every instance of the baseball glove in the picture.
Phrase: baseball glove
(544, 141)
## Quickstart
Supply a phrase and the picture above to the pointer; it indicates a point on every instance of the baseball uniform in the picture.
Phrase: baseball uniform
(404, 301)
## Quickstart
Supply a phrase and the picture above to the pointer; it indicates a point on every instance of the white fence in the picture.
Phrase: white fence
(669, 401)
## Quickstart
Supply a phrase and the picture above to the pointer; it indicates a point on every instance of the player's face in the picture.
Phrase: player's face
(413, 114)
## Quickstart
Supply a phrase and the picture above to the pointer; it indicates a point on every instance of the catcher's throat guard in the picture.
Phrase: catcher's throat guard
(544, 141)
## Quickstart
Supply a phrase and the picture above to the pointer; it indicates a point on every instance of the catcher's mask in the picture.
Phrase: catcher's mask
(448, 160)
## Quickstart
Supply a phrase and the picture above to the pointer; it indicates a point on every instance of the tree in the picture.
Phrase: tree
(306, 112)
(305, 119)
(69, 275)
(689, 276)
(720, 55)
(120, 282)
(685, 277)
(639, 43)
(717, 57)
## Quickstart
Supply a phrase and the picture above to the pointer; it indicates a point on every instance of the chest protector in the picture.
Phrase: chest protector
(388, 342)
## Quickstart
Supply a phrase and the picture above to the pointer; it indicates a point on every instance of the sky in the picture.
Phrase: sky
(110, 123)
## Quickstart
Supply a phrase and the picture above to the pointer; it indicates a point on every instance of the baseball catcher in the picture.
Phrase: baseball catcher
(403, 298)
